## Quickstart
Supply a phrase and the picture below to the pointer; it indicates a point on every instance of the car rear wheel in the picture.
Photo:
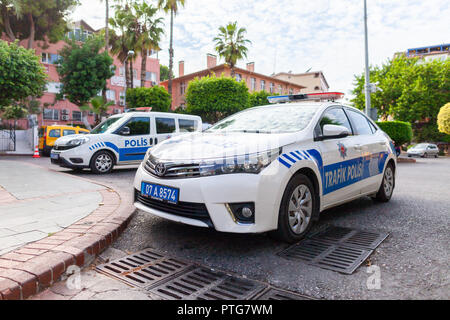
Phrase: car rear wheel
(102, 162)
(297, 208)
(384, 194)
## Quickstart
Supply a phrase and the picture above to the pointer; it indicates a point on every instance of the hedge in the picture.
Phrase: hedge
(214, 98)
(259, 98)
(155, 97)
(399, 131)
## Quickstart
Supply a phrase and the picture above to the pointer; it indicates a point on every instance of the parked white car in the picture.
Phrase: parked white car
(121, 139)
(424, 150)
(269, 168)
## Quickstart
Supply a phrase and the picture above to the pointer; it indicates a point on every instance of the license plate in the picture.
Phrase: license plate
(54, 156)
(158, 192)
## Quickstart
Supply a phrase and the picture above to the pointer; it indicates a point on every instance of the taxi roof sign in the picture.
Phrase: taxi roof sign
(325, 96)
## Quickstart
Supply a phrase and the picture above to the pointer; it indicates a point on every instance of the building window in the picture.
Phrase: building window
(122, 98)
(182, 87)
(76, 115)
(122, 71)
(316, 88)
(291, 91)
(280, 89)
(253, 84)
(53, 87)
(50, 58)
(238, 77)
(272, 87)
(51, 114)
(263, 85)
(111, 95)
(150, 76)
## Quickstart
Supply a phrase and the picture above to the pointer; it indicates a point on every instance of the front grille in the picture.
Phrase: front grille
(173, 170)
(190, 210)
(62, 148)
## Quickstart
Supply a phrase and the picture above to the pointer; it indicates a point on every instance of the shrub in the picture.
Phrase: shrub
(399, 131)
(214, 98)
(155, 97)
(443, 119)
(259, 98)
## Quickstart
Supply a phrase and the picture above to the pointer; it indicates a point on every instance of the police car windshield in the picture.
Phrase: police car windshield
(107, 126)
(274, 119)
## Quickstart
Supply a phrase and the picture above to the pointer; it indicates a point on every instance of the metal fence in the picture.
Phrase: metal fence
(7, 137)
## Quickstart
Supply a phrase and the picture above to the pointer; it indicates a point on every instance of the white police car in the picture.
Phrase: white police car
(122, 139)
(268, 168)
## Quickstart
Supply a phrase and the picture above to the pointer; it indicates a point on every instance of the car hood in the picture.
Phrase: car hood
(197, 146)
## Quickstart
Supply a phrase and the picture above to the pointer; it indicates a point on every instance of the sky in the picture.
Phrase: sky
(296, 35)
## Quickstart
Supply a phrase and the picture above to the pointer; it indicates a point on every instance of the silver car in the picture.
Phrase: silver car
(424, 150)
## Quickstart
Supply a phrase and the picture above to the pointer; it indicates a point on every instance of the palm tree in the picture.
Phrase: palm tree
(99, 106)
(148, 31)
(172, 6)
(231, 44)
(106, 24)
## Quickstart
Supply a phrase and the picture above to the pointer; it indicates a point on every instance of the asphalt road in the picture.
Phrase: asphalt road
(413, 260)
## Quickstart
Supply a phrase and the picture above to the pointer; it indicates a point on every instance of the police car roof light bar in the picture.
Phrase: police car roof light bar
(325, 96)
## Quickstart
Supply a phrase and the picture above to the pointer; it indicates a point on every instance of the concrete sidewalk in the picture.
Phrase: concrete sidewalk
(51, 221)
(35, 202)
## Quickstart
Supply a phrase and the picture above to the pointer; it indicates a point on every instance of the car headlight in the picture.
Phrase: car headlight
(250, 163)
(78, 141)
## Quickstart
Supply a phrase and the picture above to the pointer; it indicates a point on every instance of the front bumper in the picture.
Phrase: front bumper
(72, 158)
(214, 192)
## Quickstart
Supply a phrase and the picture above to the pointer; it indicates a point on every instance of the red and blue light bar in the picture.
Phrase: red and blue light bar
(323, 96)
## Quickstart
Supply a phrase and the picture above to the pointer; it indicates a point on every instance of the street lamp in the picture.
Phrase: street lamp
(130, 54)
(367, 77)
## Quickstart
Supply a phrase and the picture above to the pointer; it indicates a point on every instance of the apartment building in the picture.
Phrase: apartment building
(314, 82)
(430, 53)
(65, 112)
(255, 81)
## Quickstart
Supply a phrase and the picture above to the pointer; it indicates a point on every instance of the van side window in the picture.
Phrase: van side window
(54, 133)
(187, 125)
(139, 126)
(67, 132)
(165, 125)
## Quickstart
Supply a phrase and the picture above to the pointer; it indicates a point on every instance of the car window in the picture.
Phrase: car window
(139, 126)
(54, 133)
(372, 127)
(334, 116)
(165, 125)
(83, 132)
(359, 122)
(67, 132)
(187, 125)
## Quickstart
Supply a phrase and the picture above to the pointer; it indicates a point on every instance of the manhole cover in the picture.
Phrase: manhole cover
(327, 255)
(351, 237)
(205, 284)
(277, 294)
(144, 268)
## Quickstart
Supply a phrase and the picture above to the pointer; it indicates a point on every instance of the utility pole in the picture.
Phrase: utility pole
(367, 87)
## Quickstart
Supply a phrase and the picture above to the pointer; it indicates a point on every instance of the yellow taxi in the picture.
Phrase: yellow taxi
(49, 134)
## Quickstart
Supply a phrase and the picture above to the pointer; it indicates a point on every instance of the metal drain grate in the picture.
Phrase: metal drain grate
(326, 255)
(277, 294)
(144, 268)
(205, 284)
(351, 237)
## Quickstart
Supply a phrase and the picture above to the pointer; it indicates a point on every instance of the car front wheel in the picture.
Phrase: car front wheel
(297, 208)
(102, 162)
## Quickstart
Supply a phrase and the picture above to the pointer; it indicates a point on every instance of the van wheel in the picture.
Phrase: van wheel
(384, 194)
(297, 208)
(102, 162)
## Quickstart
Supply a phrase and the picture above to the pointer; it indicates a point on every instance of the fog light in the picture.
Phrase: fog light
(242, 212)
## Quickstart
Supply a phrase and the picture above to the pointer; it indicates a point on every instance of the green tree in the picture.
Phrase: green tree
(172, 6)
(35, 19)
(14, 112)
(443, 119)
(214, 98)
(21, 74)
(155, 97)
(413, 90)
(83, 71)
(163, 72)
(231, 44)
(259, 98)
(98, 105)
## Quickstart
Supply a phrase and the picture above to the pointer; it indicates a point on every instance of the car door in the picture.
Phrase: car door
(341, 159)
(134, 143)
(374, 147)
(165, 128)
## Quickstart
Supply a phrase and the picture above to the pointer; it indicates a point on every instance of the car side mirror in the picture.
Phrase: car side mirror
(332, 131)
(125, 131)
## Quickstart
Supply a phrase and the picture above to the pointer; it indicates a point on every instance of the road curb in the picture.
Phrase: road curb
(37, 265)
(406, 160)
